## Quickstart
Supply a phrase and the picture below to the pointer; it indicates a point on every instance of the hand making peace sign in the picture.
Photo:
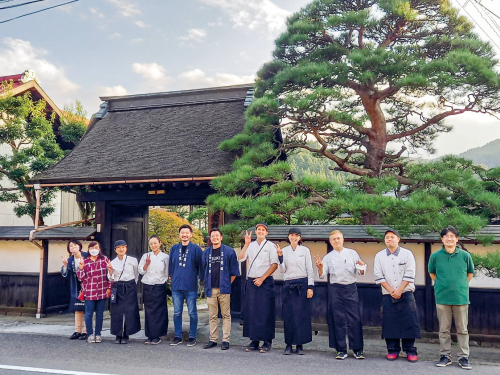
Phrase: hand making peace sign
(278, 250)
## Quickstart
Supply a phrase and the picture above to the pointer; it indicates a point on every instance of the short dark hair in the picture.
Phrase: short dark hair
(216, 230)
(449, 229)
(76, 242)
(185, 226)
(154, 236)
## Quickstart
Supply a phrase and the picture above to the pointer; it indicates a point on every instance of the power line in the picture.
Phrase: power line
(477, 24)
(20, 5)
(38, 11)
(487, 15)
(489, 10)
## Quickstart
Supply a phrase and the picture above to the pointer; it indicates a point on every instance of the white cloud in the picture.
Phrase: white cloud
(65, 8)
(96, 12)
(136, 40)
(253, 14)
(112, 91)
(194, 34)
(197, 78)
(141, 24)
(125, 7)
(114, 36)
(153, 73)
(17, 55)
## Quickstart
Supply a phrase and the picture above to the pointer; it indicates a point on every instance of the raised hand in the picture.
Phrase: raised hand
(65, 261)
(319, 262)
(278, 250)
(109, 266)
(248, 237)
(148, 262)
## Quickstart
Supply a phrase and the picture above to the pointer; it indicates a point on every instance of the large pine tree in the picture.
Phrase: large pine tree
(368, 82)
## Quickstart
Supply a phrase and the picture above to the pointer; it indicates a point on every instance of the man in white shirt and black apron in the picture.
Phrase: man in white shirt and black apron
(259, 315)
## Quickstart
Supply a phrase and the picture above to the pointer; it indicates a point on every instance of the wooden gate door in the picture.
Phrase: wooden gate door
(130, 223)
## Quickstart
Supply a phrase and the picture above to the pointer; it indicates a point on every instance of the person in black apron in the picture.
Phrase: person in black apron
(154, 268)
(123, 273)
(69, 270)
(296, 265)
(259, 315)
(395, 270)
(344, 310)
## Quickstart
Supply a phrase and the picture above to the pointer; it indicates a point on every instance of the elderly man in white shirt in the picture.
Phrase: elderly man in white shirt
(343, 264)
(394, 270)
(259, 316)
(154, 267)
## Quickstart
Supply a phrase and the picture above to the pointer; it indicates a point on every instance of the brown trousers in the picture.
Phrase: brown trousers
(460, 314)
(213, 309)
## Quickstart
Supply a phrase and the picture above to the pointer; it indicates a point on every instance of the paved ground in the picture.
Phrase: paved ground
(34, 345)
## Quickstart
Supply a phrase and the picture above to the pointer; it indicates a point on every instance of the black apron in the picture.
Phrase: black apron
(259, 318)
(296, 312)
(400, 317)
(125, 319)
(156, 312)
(344, 311)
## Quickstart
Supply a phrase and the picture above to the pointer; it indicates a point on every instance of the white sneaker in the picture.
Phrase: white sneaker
(98, 339)
(91, 339)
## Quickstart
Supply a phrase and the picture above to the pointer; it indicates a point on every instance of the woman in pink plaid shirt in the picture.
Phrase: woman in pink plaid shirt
(96, 287)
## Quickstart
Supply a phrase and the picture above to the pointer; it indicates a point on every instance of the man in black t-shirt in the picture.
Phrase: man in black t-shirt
(220, 268)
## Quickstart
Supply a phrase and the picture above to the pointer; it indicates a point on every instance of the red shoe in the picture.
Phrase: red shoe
(412, 357)
(392, 356)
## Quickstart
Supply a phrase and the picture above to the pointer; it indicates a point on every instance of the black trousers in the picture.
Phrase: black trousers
(344, 317)
(394, 346)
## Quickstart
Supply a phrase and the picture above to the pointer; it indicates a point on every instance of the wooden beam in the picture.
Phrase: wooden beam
(429, 292)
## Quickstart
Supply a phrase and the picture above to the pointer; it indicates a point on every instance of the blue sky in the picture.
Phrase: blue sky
(94, 48)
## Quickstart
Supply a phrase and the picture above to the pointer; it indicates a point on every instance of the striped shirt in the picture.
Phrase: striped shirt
(394, 268)
(94, 278)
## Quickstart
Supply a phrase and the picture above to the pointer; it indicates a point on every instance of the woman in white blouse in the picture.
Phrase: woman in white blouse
(296, 264)
(154, 267)
(123, 273)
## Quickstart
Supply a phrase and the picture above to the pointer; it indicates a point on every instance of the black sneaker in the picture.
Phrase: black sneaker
(341, 355)
(358, 354)
(210, 345)
(125, 340)
(464, 363)
(83, 336)
(288, 350)
(191, 342)
(155, 341)
(254, 346)
(444, 361)
(300, 350)
(148, 342)
(118, 340)
(225, 345)
(75, 336)
(177, 341)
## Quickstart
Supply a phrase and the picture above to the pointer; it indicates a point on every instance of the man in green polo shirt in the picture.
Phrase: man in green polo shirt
(452, 268)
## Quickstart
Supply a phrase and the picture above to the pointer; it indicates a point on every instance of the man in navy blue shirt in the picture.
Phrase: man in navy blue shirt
(220, 268)
(184, 269)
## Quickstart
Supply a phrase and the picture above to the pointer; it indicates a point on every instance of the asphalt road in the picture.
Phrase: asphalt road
(63, 355)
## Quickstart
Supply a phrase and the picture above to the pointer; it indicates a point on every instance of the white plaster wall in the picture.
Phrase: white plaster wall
(19, 257)
(24, 257)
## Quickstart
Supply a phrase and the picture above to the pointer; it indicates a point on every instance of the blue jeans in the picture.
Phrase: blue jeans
(98, 307)
(178, 297)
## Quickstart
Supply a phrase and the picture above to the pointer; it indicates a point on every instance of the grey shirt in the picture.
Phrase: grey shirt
(341, 265)
(267, 256)
(394, 268)
(297, 264)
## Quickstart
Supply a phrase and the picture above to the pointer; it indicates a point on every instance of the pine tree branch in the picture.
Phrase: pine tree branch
(360, 37)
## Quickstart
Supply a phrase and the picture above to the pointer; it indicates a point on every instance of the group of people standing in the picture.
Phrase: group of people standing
(394, 269)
